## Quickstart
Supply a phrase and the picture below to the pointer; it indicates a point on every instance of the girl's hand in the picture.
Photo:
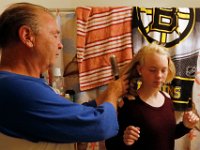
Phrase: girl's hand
(131, 134)
(190, 119)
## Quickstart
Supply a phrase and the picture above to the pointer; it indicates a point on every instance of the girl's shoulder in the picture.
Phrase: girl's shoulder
(127, 101)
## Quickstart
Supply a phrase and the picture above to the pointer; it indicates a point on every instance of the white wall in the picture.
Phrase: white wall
(75, 3)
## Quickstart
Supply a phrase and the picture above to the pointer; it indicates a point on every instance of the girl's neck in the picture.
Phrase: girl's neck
(147, 92)
(151, 96)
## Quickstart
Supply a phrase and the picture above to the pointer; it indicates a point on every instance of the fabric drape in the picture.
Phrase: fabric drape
(101, 32)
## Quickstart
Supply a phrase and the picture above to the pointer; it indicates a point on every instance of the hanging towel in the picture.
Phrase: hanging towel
(101, 32)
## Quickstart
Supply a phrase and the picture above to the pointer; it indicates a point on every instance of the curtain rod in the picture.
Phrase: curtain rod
(62, 9)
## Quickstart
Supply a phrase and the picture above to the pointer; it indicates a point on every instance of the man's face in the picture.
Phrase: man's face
(47, 41)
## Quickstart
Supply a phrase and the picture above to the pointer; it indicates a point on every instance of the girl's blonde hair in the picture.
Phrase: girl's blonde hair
(139, 60)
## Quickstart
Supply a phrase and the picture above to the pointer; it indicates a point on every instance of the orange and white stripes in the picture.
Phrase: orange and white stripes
(101, 32)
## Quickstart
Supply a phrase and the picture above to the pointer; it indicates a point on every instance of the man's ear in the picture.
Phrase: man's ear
(26, 35)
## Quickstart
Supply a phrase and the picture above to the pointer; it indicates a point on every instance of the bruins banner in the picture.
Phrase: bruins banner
(179, 30)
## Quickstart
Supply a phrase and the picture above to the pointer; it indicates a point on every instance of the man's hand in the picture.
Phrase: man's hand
(114, 91)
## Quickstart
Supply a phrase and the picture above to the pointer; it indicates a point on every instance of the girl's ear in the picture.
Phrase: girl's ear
(26, 35)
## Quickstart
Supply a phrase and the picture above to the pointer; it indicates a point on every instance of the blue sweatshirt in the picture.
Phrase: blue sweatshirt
(31, 110)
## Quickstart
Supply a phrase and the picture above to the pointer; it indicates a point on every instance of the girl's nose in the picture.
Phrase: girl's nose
(159, 74)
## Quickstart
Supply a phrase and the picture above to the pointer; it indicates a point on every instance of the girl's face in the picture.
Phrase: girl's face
(154, 71)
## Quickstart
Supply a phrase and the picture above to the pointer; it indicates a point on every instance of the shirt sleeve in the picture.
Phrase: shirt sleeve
(39, 114)
(181, 130)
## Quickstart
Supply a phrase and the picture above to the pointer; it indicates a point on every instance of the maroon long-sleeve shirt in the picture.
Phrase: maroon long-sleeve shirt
(158, 128)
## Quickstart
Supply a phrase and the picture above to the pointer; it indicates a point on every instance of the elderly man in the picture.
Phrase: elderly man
(32, 115)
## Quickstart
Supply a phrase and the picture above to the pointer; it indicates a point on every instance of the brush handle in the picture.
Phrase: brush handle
(114, 67)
